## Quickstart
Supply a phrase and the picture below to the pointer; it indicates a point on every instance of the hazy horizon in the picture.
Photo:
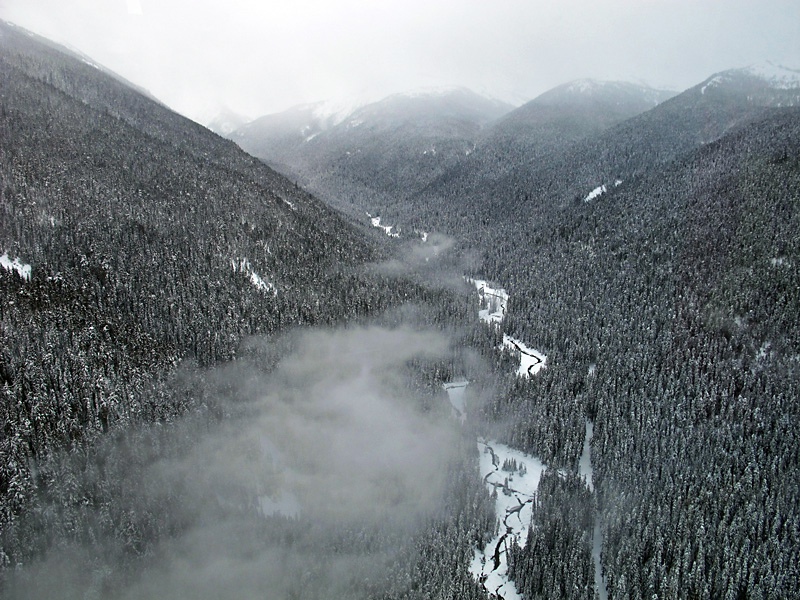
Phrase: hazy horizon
(255, 59)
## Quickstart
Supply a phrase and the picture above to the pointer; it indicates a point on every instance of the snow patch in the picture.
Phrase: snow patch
(585, 464)
(495, 301)
(90, 63)
(582, 86)
(376, 222)
(711, 83)
(595, 193)
(530, 361)
(456, 393)
(515, 488)
(333, 112)
(242, 265)
(22, 269)
(777, 76)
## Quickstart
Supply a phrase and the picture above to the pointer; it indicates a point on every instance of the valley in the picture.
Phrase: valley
(450, 348)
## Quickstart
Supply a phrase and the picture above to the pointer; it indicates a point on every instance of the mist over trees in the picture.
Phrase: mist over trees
(211, 381)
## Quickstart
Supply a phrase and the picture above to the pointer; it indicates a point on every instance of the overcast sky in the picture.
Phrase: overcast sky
(264, 56)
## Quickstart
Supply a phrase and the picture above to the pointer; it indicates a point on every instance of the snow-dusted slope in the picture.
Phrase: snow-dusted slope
(765, 83)
(777, 76)
(23, 270)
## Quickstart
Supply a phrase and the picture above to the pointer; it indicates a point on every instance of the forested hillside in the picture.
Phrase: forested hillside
(525, 182)
(172, 425)
(378, 154)
(669, 310)
(153, 244)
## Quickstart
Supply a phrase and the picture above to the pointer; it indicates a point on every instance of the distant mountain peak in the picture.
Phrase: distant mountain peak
(774, 75)
(329, 113)
(224, 121)
(585, 86)
(599, 86)
(777, 76)
(437, 90)
(589, 91)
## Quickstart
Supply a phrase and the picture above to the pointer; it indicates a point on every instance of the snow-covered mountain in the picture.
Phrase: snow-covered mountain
(348, 150)
(570, 111)
(225, 121)
(621, 93)
(765, 83)
(777, 76)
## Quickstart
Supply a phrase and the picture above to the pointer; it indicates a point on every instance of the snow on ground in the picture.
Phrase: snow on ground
(774, 75)
(334, 111)
(495, 301)
(515, 489)
(456, 392)
(23, 270)
(597, 545)
(600, 190)
(713, 82)
(595, 193)
(530, 361)
(780, 261)
(586, 471)
(777, 76)
(376, 222)
(242, 265)
(585, 463)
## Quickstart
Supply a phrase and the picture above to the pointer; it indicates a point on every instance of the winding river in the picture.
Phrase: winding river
(513, 476)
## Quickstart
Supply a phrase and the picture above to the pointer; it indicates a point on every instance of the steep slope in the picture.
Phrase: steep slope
(523, 185)
(361, 159)
(282, 138)
(569, 112)
(148, 243)
(545, 126)
(669, 309)
(225, 121)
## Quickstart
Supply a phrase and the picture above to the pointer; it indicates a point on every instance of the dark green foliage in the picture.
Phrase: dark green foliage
(556, 560)
(143, 230)
(682, 287)
(378, 156)
(668, 309)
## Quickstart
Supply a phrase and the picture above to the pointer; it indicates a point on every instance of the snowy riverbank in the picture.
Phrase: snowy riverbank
(512, 475)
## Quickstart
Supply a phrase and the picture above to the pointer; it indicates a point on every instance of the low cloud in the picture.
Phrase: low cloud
(321, 473)
(431, 262)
